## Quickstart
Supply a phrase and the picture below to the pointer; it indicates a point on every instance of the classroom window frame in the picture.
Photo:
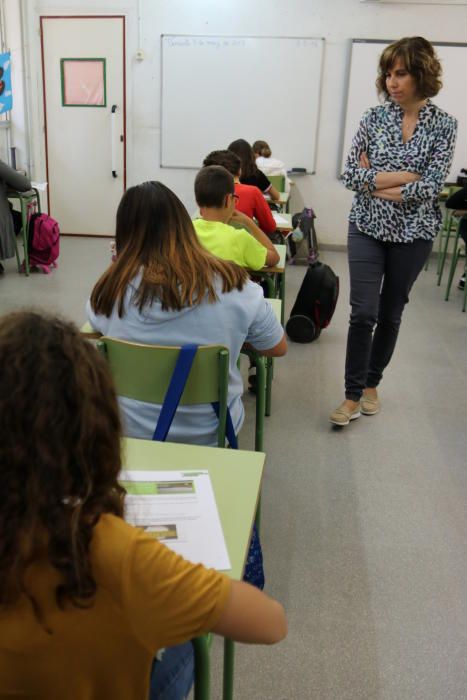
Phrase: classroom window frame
(62, 81)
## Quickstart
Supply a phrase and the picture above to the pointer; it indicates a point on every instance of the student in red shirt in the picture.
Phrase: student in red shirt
(251, 201)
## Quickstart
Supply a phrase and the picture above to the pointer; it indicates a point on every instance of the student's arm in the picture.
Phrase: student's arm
(279, 350)
(168, 600)
(263, 213)
(265, 334)
(273, 193)
(251, 617)
(272, 256)
(14, 179)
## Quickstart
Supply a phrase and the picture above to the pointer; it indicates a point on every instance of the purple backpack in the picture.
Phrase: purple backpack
(44, 242)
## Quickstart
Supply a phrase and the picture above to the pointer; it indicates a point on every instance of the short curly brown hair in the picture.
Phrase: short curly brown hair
(419, 59)
(59, 453)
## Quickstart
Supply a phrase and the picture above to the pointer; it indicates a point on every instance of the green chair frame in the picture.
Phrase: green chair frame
(277, 181)
(455, 260)
(259, 361)
(25, 199)
(143, 372)
(448, 229)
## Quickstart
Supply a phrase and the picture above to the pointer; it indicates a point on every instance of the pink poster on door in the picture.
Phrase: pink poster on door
(83, 82)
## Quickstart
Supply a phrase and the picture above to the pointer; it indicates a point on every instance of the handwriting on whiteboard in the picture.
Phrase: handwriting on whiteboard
(224, 42)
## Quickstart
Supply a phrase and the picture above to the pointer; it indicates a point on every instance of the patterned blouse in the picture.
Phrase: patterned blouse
(428, 152)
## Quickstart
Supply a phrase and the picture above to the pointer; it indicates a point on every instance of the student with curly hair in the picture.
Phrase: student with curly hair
(397, 166)
(86, 600)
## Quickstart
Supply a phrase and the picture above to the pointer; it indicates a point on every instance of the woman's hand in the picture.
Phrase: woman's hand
(364, 161)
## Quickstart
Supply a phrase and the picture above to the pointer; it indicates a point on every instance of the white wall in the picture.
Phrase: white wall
(336, 20)
(18, 132)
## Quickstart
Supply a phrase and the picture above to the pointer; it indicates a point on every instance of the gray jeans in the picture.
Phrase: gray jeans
(381, 277)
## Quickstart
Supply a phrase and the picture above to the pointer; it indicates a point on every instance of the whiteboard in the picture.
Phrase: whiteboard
(362, 92)
(219, 89)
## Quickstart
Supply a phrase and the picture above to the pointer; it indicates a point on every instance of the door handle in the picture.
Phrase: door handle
(112, 139)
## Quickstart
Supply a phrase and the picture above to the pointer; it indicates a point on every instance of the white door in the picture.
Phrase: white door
(83, 64)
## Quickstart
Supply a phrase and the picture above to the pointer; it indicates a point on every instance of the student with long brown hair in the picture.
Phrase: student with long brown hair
(166, 288)
(87, 600)
(251, 174)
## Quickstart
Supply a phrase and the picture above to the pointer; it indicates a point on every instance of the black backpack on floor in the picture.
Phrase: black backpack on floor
(315, 304)
(318, 294)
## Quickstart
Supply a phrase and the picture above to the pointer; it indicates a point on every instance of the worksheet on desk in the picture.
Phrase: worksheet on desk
(179, 509)
(280, 220)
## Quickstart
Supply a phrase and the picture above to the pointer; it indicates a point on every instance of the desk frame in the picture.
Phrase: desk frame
(234, 468)
(25, 200)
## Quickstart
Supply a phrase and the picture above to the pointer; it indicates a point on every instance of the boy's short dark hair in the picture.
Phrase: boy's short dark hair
(228, 159)
(212, 184)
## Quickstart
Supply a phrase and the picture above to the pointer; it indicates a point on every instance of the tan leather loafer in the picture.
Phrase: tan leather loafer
(369, 406)
(342, 416)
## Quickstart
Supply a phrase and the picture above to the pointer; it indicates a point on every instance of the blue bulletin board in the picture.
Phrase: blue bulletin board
(6, 97)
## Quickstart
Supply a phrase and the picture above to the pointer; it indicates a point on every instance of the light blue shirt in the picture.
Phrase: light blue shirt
(237, 317)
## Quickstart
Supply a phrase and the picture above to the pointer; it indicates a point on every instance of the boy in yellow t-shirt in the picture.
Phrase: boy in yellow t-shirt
(222, 229)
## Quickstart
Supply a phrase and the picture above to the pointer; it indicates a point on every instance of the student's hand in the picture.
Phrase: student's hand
(239, 217)
(364, 161)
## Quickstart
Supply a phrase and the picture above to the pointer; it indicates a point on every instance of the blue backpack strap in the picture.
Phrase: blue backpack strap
(175, 390)
(229, 429)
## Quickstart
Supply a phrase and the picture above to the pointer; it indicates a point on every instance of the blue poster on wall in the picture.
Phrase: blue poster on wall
(6, 98)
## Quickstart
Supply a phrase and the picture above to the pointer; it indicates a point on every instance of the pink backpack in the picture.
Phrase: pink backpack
(44, 242)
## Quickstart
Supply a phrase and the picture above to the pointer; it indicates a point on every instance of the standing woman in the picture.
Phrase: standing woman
(397, 166)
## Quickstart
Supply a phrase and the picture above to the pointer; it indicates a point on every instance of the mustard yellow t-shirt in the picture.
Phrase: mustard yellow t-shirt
(230, 243)
(147, 598)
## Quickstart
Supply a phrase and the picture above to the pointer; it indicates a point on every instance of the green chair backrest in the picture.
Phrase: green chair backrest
(277, 181)
(143, 373)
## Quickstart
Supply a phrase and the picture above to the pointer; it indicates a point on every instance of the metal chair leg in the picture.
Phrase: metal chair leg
(269, 378)
(229, 657)
(260, 402)
(202, 668)
(258, 514)
(455, 258)
(442, 260)
(24, 224)
(442, 235)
